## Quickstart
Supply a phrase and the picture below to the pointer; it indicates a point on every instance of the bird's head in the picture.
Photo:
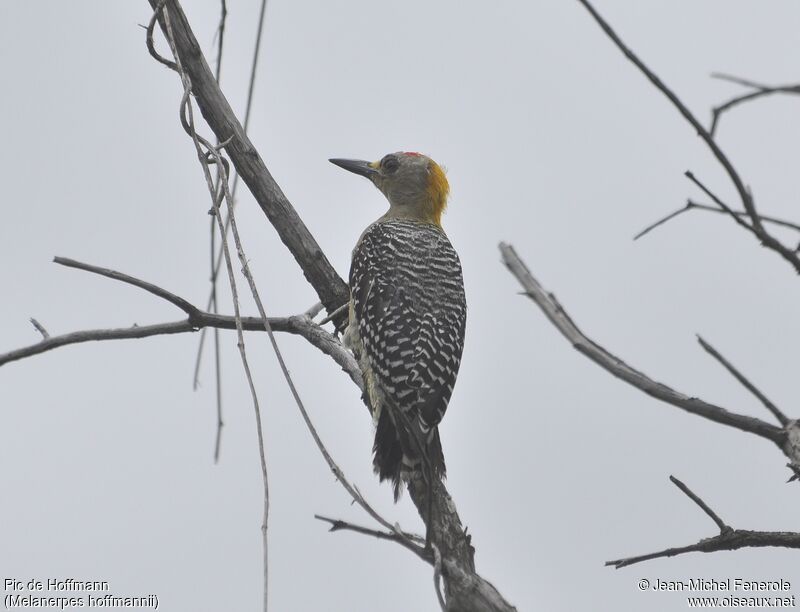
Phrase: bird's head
(414, 184)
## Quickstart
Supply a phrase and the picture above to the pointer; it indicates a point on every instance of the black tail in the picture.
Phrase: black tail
(388, 450)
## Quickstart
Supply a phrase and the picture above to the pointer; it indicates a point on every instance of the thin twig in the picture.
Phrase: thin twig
(40, 328)
(218, 389)
(692, 205)
(334, 314)
(298, 325)
(720, 203)
(733, 540)
(727, 539)
(314, 310)
(151, 47)
(716, 111)
(742, 213)
(220, 34)
(615, 366)
(216, 259)
(663, 220)
(407, 541)
(94, 335)
(178, 301)
(723, 528)
(776, 412)
(329, 286)
(722, 76)
(760, 91)
(187, 105)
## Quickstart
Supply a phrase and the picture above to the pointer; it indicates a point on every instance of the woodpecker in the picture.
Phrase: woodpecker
(407, 314)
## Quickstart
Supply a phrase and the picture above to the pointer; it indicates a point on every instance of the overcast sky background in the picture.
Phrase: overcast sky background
(553, 142)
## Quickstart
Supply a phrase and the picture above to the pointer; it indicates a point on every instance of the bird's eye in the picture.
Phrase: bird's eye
(389, 164)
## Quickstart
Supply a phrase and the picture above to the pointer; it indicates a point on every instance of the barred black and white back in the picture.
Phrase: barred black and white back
(407, 321)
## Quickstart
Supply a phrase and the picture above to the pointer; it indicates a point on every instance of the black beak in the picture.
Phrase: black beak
(356, 166)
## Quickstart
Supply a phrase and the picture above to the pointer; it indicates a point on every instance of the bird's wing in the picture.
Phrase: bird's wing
(409, 305)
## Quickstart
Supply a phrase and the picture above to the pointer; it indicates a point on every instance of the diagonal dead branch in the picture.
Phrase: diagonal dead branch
(688, 174)
(663, 220)
(216, 254)
(151, 46)
(727, 539)
(723, 528)
(219, 35)
(776, 412)
(178, 301)
(298, 325)
(216, 110)
(615, 366)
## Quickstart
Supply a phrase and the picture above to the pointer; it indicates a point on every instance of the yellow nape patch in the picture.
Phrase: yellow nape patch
(438, 189)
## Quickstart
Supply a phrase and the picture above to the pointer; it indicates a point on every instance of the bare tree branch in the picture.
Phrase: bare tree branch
(178, 301)
(750, 228)
(723, 528)
(727, 539)
(213, 305)
(760, 92)
(330, 288)
(776, 412)
(40, 328)
(407, 540)
(691, 205)
(298, 325)
(219, 36)
(615, 366)
(745, 196)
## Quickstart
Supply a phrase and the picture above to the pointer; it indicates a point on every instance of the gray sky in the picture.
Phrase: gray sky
(552, 142)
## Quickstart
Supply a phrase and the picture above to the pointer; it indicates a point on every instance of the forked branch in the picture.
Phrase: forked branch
(692, 205)
(759, 91)
(756, 225)
(727, 539)
(300, 325)
(216, 110)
